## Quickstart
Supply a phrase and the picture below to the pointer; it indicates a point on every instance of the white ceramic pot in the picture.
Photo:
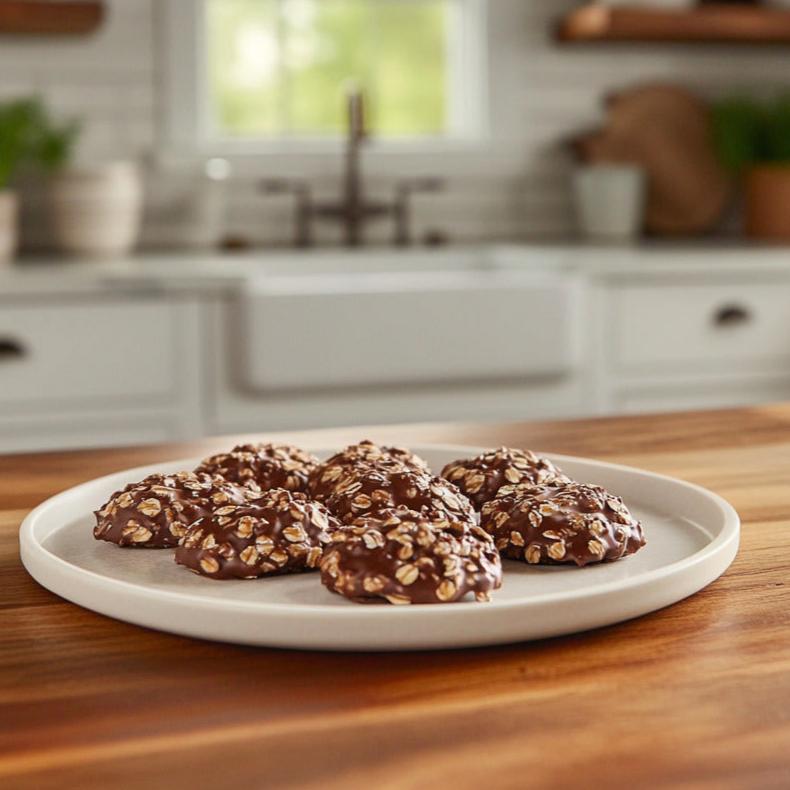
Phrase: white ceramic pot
(97, 210)
(609, 201)
(9, 210)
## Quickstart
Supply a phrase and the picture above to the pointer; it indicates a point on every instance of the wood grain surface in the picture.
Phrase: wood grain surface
(45, 17)
(696, 695)
(733, 23)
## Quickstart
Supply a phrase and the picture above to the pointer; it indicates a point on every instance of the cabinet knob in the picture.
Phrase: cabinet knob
(732, 315)
(11, 349)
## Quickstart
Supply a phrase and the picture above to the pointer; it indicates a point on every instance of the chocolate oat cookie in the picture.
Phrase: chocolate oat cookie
(480, 478)
(325, 477)
(155, 512)
(368, 490)
(279, 532)
(268, 465)
(405, 557)
(566, 523)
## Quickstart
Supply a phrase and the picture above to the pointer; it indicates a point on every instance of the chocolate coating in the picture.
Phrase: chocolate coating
(279, 532)
(268, 465)
(155, 512)
(404, 557)
(551, 525)
(367, 491)
(326, 476)
(481, 477)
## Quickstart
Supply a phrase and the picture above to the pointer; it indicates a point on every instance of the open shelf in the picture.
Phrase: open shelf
(42, 18)
(710, 23)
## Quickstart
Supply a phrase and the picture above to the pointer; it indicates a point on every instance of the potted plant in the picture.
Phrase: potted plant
(96, 209)
(18, 131)
(753, 141)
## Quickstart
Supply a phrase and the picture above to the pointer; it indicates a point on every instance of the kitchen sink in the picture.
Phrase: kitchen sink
(360, 321)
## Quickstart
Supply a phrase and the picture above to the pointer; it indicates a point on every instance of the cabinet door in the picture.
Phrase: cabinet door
(85, 351)
(712, 327)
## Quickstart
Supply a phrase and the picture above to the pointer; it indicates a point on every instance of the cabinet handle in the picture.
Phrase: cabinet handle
(11, 349)
(731, 315)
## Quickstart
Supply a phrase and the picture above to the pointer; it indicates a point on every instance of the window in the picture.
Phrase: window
(275, 71)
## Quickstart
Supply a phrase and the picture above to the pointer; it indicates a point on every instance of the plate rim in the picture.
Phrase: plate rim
(729, 533)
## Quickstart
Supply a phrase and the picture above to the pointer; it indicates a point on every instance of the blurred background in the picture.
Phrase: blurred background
(245, 215)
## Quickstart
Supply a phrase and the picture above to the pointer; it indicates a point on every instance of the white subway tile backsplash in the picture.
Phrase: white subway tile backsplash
(12, 86)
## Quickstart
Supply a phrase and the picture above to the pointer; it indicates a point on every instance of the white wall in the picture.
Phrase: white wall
(540, 93)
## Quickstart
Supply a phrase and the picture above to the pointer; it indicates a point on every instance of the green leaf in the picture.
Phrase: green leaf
(29, 136)
(748, 133)
(736, 132)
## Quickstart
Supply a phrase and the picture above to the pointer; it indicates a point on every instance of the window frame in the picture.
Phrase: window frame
(186, 125)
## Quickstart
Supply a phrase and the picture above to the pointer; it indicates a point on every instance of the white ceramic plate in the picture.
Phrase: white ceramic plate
(692, 537)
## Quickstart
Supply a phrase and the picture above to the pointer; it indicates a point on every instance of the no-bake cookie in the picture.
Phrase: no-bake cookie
(481, 477)
(367, 491)
(326, 476)
(268, 465)
(569, 523)
(155, 512)
(405, 557)
(279, 532)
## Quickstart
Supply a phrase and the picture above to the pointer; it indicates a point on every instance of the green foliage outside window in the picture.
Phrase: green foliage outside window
(279, 67)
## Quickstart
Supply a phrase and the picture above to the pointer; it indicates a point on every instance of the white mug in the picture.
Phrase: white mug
(609, 201)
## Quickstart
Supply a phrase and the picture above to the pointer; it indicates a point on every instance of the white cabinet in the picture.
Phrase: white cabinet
(86, 350)
(174, 353)
(713, 327)
(96, 369)
(699, 395)
(686, 341)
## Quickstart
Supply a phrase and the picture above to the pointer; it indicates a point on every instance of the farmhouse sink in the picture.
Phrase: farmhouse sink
(349, 326)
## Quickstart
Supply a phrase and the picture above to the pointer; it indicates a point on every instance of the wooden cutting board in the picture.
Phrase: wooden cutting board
(664, 129)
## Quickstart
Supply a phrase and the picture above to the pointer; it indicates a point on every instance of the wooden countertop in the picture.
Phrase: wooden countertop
(696, 695)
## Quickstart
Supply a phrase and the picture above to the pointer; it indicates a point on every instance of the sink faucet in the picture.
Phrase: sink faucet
(353, 209)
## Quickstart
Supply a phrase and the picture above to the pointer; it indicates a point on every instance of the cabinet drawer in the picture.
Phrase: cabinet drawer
(712, 327)
(85, 350)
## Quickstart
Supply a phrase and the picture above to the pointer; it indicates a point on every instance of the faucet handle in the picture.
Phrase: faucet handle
(404, 190)
(280, 186)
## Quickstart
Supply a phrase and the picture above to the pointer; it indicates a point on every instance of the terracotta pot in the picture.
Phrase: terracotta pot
(768, 202)
(9, 209)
